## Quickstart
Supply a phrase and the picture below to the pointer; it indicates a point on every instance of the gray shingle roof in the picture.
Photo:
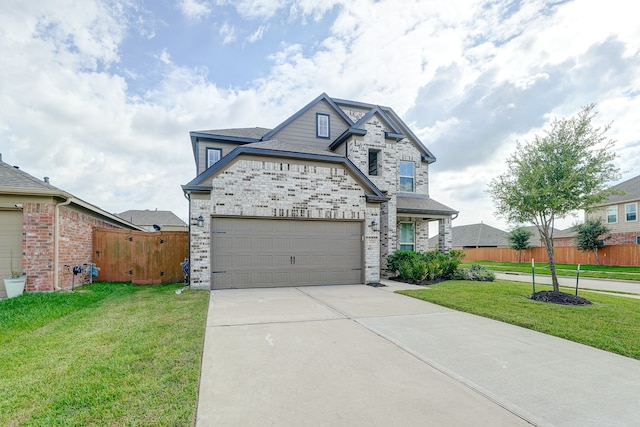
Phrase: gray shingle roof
(421, 205)
(631, 188)
(11, 177)
(147, 217)
(476, 235)
(254, 133)
(290, 147)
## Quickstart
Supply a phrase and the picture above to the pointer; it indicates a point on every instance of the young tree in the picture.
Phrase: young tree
(564, 170)
(589, 236)
(519, 240)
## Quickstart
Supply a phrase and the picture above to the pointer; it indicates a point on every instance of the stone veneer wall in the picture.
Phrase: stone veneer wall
(388, 179)
(275, 188)
(75, 246)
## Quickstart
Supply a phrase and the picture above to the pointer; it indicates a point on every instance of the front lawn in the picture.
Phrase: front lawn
(565, 270)
(612, 323)
(104, 355)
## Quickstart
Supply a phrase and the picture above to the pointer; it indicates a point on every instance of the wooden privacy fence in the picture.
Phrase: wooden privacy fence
(609, 255)
(139, 257)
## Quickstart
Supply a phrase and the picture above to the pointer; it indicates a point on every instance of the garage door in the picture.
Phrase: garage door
(11, 240)
(249, 253)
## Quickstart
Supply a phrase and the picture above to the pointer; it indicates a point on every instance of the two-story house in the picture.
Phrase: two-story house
(322, 198)
(620, 213)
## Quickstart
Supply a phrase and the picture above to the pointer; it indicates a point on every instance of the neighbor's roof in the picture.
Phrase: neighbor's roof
(19, 183)
(249, 133)
(147, 217)
(13, 178)
(476, 235)
(631, 189)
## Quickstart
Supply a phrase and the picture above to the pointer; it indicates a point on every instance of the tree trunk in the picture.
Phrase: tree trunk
(552, 264)
(597, 257)
(520, 255)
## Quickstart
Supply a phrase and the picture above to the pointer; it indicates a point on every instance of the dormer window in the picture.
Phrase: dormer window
(322, 125)
(407, 176)
(213, 155)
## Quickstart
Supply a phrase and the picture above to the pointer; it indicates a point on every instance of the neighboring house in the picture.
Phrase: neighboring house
(154, 220)
(566, 237)
(620, 213)
(476, 236)
(536, 239)
(46, 231)
(322, 198)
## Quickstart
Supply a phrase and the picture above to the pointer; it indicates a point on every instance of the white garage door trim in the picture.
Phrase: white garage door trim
(268, 252)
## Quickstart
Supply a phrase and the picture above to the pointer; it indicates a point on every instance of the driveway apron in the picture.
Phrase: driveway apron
(363, 356)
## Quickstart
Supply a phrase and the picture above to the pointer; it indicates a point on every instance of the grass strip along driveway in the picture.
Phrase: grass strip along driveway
(565, 270)
(611, 323)
(106, 354)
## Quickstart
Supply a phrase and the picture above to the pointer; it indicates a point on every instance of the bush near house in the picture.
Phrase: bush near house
(418, 267)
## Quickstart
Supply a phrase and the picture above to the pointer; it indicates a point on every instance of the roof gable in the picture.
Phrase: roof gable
(322, 98)
(631, 189)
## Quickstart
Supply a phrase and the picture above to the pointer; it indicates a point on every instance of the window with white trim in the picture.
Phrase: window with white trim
(322, 125)
(631, 211)
(213, 155)
(408, 236)
(612, 214)
(407, 176)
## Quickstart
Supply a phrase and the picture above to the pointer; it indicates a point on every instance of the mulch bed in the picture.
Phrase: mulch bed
(419, 282)
(559, 298)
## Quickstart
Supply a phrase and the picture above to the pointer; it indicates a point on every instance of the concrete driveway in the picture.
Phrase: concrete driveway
(363, 356)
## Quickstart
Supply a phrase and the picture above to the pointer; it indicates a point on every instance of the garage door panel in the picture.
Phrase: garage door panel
(269, 252)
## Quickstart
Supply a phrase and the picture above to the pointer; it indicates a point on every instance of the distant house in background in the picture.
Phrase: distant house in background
(537, 241)
(565, 237)
(162, 220)
(46, 231)
(620, 213)
(475, 236)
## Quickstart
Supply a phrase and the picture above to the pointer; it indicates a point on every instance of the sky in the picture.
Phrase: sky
(100, 95)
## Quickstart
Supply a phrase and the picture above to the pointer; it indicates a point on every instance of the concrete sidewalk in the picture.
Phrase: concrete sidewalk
(363, 356)
(629, 286)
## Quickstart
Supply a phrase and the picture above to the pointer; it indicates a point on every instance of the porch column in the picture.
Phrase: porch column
(445, 235)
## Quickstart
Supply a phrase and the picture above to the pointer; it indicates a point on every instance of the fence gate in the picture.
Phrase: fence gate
(139, 257)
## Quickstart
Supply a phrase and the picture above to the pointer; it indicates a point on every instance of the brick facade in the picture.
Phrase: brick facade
(280, 188)
(75, 245)
(623, 238)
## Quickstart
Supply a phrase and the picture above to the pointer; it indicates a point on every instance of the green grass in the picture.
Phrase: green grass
(565, 270)
(104, 355)
(612, 323)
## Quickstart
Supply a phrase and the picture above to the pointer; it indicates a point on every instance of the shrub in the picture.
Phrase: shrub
(431, 265)
(477, 272)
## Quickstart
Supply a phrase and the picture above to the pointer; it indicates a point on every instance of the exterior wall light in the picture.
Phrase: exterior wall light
(200, 221)
(374, 226)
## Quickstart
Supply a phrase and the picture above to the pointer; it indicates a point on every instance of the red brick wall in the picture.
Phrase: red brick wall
(37, 243)
(622, 238)
(75, 246)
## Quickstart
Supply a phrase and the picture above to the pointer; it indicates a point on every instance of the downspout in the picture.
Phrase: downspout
(56, 239)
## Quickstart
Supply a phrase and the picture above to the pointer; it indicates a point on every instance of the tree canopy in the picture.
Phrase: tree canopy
(519, 240)
(591, 236)
(564, 170)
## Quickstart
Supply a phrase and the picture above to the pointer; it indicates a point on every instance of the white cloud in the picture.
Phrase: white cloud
(194, 9)
(228, 33)
(257, 34)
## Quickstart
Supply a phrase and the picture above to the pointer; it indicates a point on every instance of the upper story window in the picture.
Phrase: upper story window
(638, 240)
(631, 211)
(322, 125)
(612, 214)
(407, 176)
(374, 162)
(213, 155)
